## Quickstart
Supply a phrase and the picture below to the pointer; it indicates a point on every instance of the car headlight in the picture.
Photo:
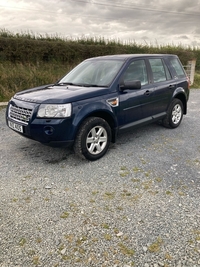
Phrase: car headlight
(54, 111)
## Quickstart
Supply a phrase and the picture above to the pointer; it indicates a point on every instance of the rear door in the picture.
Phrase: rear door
(163, 84)
(178, 74)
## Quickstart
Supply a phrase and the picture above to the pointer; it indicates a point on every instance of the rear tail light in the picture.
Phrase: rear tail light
(188, 81)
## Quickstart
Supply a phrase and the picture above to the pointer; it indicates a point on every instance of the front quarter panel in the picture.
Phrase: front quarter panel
(84, 109)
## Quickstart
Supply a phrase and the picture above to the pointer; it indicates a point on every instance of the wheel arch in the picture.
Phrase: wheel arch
(180, 94)
(107, 116)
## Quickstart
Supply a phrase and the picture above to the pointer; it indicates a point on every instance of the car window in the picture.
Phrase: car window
(177, 67)
(169, 77)
(91, 72)
(136, 71)
(159, 70)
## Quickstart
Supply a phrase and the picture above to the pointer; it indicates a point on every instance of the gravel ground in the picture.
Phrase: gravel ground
(137, 206)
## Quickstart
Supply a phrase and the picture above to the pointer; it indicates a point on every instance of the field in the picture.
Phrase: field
(18, 76)
(27, 61)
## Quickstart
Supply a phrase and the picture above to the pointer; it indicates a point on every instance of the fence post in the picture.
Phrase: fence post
(190, 70)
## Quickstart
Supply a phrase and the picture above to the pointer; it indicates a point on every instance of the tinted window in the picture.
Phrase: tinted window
(159, 70)
(177, 67)
(136, 71)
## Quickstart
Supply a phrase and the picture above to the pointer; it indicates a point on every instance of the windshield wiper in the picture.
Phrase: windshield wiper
(67, 83)
(80, 84)
(93, 85)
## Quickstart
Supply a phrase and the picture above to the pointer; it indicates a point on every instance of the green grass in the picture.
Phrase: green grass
(28, 60)
(155, 246)
(196, 83)
(22, 242)
(125, 250)
(107, 237)
(105, 226)
(36, 260)
(18, 77)
(109, 195)
(64, 215)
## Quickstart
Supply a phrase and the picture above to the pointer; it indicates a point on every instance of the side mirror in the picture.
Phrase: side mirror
(131, 85)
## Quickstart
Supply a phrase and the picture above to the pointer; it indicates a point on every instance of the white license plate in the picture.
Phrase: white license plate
(15, 126)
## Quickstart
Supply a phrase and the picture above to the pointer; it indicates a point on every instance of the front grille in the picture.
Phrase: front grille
(20, 114)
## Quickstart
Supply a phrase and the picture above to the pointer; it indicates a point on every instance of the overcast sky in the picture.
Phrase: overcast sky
(152, 22)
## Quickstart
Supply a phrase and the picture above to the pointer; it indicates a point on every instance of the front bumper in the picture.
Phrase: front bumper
(54, 132)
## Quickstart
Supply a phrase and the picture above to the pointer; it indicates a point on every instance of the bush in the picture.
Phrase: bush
(27, 60)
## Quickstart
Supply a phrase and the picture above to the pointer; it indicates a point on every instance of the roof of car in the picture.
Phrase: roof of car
(128, 56)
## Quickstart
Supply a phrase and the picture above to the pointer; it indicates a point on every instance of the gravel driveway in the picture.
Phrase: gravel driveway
(137, 206)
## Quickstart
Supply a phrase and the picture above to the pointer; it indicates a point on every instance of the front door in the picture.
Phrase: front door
(136, 105)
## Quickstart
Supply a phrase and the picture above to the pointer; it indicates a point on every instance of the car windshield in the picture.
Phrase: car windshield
(93, 73)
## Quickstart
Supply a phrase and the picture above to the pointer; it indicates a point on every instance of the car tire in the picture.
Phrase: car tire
(174, 114)
(93, 138)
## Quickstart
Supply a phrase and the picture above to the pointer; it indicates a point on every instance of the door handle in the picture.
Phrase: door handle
(148, 92)
(171, 86)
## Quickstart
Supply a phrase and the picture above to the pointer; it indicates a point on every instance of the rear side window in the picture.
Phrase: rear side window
(176, 65)
(159, 70)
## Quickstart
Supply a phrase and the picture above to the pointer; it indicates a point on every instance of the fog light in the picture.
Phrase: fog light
(48, 130)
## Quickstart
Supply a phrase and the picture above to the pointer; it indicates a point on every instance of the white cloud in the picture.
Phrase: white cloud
(157, 21)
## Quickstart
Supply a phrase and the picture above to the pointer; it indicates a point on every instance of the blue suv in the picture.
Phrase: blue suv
(99, 98)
